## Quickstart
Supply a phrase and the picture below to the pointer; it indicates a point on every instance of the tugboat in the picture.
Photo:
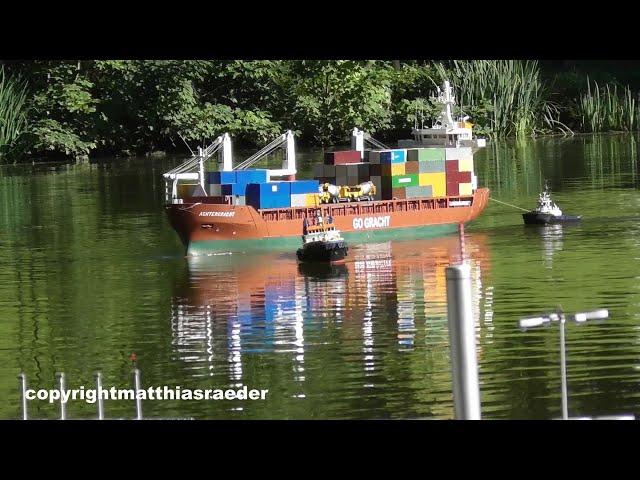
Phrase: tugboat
(547, 212)
(322, 242)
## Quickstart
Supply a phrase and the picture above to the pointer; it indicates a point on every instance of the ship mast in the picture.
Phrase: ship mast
(447, 100)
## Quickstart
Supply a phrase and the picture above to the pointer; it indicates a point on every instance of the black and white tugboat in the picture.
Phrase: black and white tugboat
(322, 242)
(547, 212)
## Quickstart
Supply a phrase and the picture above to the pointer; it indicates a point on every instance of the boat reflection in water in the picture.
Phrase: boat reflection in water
(237, 313)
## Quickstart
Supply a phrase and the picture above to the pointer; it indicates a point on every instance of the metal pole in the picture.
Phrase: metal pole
(464, 364)
(563, 366)
(23, 382)
(99, 392)
(136, 376)
(61, 385)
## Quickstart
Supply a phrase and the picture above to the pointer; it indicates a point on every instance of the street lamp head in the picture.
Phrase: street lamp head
(546, 319)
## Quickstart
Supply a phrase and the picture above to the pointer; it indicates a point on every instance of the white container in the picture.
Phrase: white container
(460, 153)
(299, 200)
(215, 190)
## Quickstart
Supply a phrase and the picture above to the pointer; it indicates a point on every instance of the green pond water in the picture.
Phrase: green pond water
(90, 271)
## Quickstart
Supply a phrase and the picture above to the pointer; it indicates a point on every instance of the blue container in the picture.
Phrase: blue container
(251, 176)
(304, 186)
(234, 189)
(269, 195)
(393, 156)
(217, 178)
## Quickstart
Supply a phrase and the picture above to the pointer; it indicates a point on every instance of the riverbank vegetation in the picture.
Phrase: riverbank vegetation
(131, 107)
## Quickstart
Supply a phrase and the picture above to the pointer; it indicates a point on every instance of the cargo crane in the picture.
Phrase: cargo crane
(358, 139)
(288, 169)
(193, 169)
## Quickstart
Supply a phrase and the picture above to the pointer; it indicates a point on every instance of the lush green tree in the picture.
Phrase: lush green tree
(324, 100)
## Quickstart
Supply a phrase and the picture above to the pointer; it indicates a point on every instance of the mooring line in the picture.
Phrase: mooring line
(509, 204)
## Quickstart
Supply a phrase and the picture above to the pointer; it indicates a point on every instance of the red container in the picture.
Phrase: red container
(342, 157)
(453, 188)
(451, 166)
(411, 167)
(399, 193)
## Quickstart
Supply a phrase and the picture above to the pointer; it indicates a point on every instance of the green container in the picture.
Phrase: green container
(426, 154)
(410, 180)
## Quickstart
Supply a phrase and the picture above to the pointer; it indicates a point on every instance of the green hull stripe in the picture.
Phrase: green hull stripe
(291, 243)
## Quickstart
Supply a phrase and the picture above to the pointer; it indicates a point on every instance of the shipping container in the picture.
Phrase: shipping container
(352, 181)
(251, 176)
(298, 199)
(364, 171)
(451, 166)
(465, 165)
(412, 167)
(393, 156)
(419, 192)
(459, 153)
(426, 154)
(432, 167)
(221, 177)
(329, 171)
(465, 189)
(453, 188)
(438, 182)
(375, 170)
(374, 156)
(342, 157)
(392, 169)
(405, 180)
(234, 189)
(304, 186)
(399, 193)
(269, 195)
(318, 171)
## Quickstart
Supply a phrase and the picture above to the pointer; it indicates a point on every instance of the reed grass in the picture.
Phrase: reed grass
(13, 118)
(511, 91)
(603, 109)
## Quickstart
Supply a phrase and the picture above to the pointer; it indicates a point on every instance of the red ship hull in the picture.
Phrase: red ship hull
(195, 220)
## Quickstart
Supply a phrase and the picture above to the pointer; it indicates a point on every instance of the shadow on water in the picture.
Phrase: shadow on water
(322, 270)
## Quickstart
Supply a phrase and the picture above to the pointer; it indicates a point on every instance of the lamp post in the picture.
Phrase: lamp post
(558, 316)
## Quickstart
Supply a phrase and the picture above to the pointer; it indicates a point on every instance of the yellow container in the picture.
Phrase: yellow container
(312, 199)
(465, 189)
(465, 165)
(438, 182)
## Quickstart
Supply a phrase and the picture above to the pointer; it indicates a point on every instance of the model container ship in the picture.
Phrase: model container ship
(426, 183)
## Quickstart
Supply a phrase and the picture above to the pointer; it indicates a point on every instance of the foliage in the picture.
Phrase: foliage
(604, 109)
(13, 119)
(507, 96)
(80, 108)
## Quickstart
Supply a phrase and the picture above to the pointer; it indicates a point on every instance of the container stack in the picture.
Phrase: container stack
(250, 187)
(234, 183)
(269, 195)
(343, 174)
(407, 173)
(459, 166)
(304, 193)
(342, 158)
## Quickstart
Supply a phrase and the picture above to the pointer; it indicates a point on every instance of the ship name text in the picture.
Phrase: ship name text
(217, 214)
(371, 222)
